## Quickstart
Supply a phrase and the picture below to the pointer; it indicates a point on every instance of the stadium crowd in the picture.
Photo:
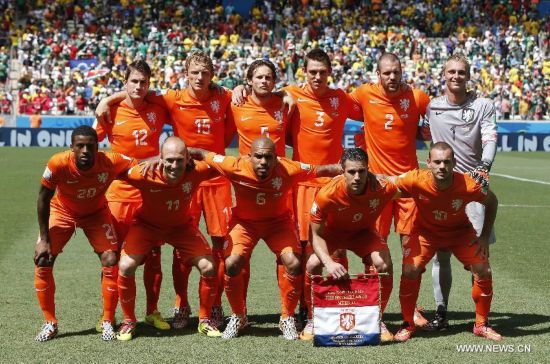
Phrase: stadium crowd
(506, 42)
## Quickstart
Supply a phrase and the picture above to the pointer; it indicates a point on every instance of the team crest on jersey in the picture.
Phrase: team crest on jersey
(152, 117)
(456, 204)
(467, 114)
(47, 175)
(215, 106)
(405, 103)
(278, 116)
(277, 182)
(440, 215)
(186, 187)
(347, 321)
(357, 217)
(102, 177)
(334, 102)
(373, 204)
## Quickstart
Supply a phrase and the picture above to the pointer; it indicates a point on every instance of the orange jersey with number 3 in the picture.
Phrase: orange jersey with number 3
(344, 213)
(260, 200)
(441, 213)
(82, 193)
(253, 120)
(166, 205)
(391, 125)
(135, 133)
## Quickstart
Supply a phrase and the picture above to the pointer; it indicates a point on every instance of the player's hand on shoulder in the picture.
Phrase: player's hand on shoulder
(290, 103)
(480, 174)
(150, 165)
(240, 93)
(103, 113)
(216, 88)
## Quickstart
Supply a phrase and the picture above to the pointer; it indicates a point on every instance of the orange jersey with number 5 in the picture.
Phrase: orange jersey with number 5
(391, 125)
(253, 120)
(82, 193)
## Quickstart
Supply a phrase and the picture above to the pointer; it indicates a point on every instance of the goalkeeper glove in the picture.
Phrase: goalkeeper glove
(481, 173)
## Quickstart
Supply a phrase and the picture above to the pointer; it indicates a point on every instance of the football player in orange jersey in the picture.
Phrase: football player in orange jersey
(72, 195)
(164, 217)
(262, 183)
(135, 132)
(343, 217)
(202, 118)
(391, 113)
(441, 196)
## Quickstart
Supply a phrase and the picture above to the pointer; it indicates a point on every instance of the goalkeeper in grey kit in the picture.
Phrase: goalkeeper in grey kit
(468, 123)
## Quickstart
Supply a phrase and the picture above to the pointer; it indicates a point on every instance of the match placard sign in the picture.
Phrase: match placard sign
(346, 312)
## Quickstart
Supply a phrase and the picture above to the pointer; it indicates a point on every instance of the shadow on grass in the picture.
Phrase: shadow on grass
(507, 324)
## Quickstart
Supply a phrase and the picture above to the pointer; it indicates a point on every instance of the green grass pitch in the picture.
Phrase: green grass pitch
(520, 311)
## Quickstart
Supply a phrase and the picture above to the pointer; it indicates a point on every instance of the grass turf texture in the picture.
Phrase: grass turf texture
(520, 308)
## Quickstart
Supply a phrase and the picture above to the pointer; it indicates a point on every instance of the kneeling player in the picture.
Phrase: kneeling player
(79, 179)
(343, 217)
(164, 217)
(441, 196)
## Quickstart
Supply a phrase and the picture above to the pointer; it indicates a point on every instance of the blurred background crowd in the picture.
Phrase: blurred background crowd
(68, 54)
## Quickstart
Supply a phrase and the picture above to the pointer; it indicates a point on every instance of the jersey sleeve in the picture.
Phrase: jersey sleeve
(477, 192)
(357, 95)
(100, 130)
(122, 163)
(318, 208)
(225, 165)
(406, 181)
(49, 177)
(422, 100)
(353, 108)
(165, 98)
(299, 171)
(488, 124)
(230, 129)
(205, 171)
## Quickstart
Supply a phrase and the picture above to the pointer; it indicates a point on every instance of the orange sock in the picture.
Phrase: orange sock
(180, 276)
(408, 294)
(208, 287)
(386, 286)
(482, 293)
(246, 279)
(234, 290)
(219, 261)
(152, 279)
(290, 287)
(109, 290)
(127, 294)
(44, 284)
(307, 294)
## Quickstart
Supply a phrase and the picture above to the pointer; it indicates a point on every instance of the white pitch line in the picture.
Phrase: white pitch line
(520, 179)
(526, 206)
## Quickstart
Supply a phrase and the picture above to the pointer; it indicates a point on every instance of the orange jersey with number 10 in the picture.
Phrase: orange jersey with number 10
(134, 133)
(391, 125)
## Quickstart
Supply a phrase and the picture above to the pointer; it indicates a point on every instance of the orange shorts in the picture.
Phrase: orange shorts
(187, 239)
(97, 227)
(303, 198)
(403, 211)
(420, 249)
(362, 243)
(280, 236)
(123, 213)
(214, 201)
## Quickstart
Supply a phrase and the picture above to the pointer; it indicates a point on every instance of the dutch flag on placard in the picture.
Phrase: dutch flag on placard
(346, 312)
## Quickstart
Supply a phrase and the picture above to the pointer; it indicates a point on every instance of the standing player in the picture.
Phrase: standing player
(262, 182)
(467, 123)
(164, 217)
(343, 217)
(441, 196)
(202, 118)
(78, 178)
(135, 132)
(391, 115)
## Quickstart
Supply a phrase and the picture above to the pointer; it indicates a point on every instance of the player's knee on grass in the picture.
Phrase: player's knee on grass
(292, 263)
(205, 265)
(382, 261)
(108, 258)
(411, 271)
(128, 264)
(233, 265)
(482, 271)
(314, 265)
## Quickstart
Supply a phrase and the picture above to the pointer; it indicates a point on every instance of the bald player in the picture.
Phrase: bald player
(164, 217)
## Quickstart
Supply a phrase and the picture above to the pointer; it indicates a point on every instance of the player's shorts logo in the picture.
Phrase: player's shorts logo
(347, 321)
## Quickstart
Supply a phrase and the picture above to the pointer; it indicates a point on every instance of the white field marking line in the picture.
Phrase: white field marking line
(526, 206)
(509, 177)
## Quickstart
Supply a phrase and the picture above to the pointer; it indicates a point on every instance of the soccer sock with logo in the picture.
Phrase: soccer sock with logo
(234, 291)
(408, 294)
(44, 285)
(109, 290)
(152, 279)
(180, 274)
(219, 262)
(127, 294)
(208, 287)
(482, 293)
(290, 287)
